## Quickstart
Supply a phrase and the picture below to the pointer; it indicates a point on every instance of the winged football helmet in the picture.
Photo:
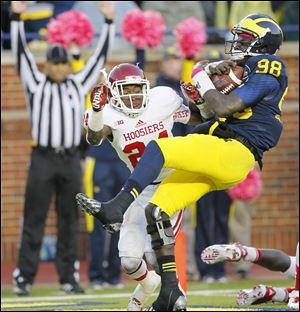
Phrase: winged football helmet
(263, 33)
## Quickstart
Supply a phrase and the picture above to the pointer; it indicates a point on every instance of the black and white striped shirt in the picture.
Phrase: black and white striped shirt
(57, 109)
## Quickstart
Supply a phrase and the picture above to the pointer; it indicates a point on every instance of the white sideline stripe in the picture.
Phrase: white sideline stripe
(224, 292)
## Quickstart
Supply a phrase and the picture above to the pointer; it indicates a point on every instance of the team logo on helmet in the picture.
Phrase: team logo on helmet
(256, 34)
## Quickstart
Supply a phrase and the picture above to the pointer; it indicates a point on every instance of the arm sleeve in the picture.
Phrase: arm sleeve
(256, 88)
(90, 74)
(26, 66)
(87, 115)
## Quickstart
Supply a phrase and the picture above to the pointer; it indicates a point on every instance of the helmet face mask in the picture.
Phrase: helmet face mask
(242, 46)
(256, 34)
(129, 89)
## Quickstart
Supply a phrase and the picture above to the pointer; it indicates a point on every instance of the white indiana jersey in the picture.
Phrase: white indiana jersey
(132, 135)
(130, 138)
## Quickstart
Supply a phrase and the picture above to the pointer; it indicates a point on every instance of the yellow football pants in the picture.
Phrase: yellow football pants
(202, 163)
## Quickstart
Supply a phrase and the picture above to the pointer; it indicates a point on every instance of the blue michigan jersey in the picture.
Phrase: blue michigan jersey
(262, 93)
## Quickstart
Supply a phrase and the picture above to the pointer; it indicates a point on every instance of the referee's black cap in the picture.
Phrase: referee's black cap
(57, 54)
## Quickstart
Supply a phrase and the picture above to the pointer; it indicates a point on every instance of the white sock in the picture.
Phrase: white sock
(150, 282)
(252, 254)
(281, 295)
(290, 272)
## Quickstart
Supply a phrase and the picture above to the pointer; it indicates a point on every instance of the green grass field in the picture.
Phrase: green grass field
(201, 297)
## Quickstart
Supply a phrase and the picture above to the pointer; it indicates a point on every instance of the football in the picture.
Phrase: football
(226, 83)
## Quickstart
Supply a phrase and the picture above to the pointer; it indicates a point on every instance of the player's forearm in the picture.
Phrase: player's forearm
(94, 137)
(95, 127)
(223, 105)
(195, 118)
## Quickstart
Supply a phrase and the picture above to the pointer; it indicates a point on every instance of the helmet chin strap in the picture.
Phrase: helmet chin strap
(122, 108)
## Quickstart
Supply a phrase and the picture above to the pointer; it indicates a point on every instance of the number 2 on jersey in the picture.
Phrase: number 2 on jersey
(139, 147)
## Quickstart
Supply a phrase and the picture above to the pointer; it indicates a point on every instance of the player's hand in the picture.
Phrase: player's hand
(201, 64)
(191, 93)
(99, 96)
(219, 68)
(198, 67)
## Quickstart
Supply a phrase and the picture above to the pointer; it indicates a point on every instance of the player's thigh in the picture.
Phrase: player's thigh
(133, 234)
(180, 189)
(224, 161)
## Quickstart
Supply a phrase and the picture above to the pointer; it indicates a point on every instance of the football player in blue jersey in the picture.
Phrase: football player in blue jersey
(218, 155)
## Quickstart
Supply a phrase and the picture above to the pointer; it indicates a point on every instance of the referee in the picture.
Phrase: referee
(55, 103)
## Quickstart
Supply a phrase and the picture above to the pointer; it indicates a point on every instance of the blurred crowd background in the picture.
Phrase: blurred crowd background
(268, 221)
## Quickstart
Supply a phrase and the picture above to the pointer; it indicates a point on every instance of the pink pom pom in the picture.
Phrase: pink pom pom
(143, 29)
(155, 28)
(70, 27)
(190, 36)
(248, 189)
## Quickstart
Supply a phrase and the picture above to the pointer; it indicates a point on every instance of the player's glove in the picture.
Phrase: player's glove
(191, 93)
(99, 96)
(220, 67)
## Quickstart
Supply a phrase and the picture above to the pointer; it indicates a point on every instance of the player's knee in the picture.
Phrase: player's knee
(159, 227)
(130, 264)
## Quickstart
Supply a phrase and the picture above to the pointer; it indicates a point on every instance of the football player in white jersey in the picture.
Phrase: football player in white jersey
(134, 116)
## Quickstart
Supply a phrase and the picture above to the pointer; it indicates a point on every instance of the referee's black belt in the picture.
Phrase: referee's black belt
(57, 150)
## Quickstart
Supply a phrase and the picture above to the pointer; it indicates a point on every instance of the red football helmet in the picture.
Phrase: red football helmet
(123, 75)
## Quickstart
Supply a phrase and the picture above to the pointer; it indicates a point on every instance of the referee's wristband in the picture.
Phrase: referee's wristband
(108, 20)
(202, 81)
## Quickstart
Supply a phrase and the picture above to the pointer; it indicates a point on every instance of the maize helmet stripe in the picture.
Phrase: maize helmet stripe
(268, 37)
(253, 25)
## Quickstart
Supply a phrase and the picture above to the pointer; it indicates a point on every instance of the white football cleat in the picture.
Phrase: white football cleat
(294, 300)
(220, 253)
(259, 294)
(142, 293)
(135, 305)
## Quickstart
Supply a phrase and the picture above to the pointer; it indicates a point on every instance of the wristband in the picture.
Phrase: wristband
(202, 81)
(95, 122)
(108, 20)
